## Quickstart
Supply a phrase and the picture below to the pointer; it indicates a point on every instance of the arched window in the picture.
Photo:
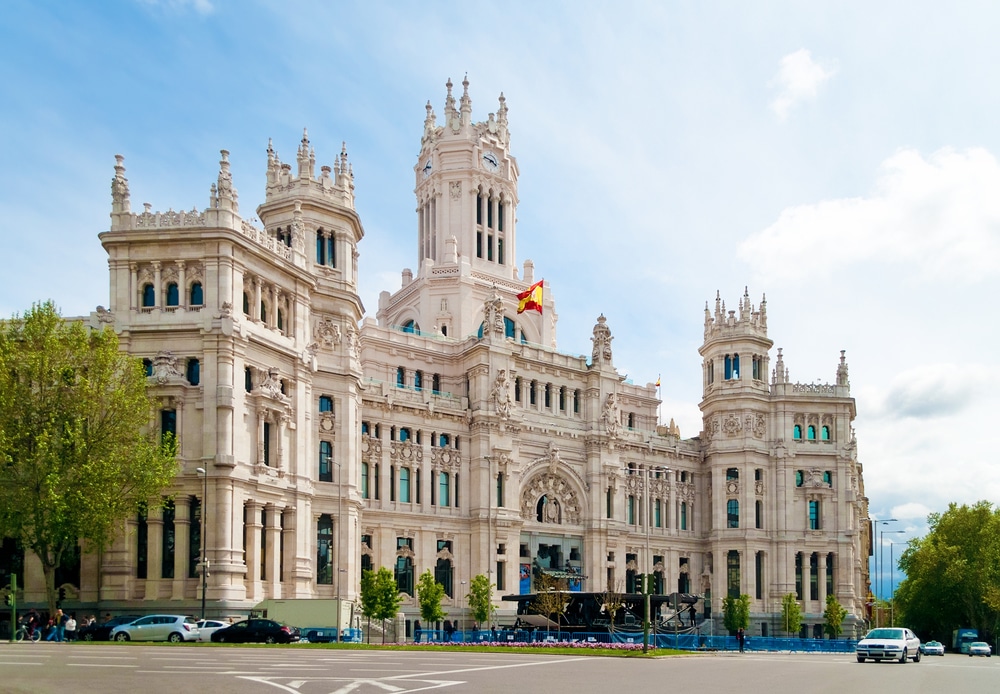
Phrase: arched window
(281, 320)
(324, 550)
(444, 572)
(799, 477)
(404, 575)
(148, 296)
(326, 404)
(797, 432)
(173, 296)
(732, 513)
(325, 461)
(825, 433)
(197, 295)
(410, 326)
(811, 432)
(400, 377)
(193, 372)
(418, 381)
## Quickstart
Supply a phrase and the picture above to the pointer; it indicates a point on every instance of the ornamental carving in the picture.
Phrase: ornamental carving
(493, 315)
(104, 315)
(602, 341)
(371, 449)
(327, 422)
(560, 502)
(501, 395)
(814, 479)
(732, 487)
(759, 426)
(455, 189)
(165, 368)
(731, 425)
(759, 487)
(406, 453)
(612, 416)
(327, 333)
(270, 387)
(445, 459)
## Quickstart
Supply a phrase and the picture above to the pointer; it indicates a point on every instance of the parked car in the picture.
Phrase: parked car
(980, 648)
(932, 648)
(319, 634)
(102, 632)
(158, 627)
(889, 643)
(256, 630)
(207, 627)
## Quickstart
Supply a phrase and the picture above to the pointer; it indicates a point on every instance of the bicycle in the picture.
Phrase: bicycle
(23, 634)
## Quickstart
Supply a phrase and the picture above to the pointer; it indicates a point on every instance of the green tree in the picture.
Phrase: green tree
(791, 614)
(77, 454)
(480, 599)
(953, 574)
(834, 614)
(614, 600)
(387, 597)
(552, 598)
(429, 596)
(369, 598)
(736, 612)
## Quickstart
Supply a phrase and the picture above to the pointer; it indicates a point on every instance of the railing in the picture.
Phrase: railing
(682, 642)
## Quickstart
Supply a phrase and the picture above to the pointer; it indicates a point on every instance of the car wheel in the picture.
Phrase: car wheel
(902, 658)
(861, 659)
(269, 639)
(175, 638)
(88, 637)
(916, 658)
(121, 636)
(219, 639)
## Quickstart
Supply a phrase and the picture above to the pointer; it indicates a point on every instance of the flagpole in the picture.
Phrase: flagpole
(659, 403)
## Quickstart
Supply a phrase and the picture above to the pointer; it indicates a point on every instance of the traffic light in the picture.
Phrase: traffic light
(640, 583)
(62, 594)
(8, 600)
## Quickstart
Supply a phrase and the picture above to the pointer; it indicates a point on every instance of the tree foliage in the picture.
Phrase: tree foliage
(791, 614)
(380, 598)
(429, 596)
(614, 600)
(953, 574)
(736, 612)
(834, 615)
(77, 453)
(552, 598)
(480, 599)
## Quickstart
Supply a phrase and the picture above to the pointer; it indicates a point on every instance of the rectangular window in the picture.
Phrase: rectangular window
(326, 404)
(142, 543)
(489, 246)
(444, 492)
(798, 575)
(168, 423)
(392, 483)
(657, 516)
(267, 444)
(375, 482)
(324, 550)
(814, 576)
(607, 502)
(759, 575)
(194, 538)
(684, 515)
(631, 510)
(500, 490)
(404, 485)
(325, 461)
(500, 251)
(829, 573)
(814, 515)
(501, 566)
(479, 244)
(168, 541)
(364, 480)
(759, 514)
(418, 380)
(366, 557)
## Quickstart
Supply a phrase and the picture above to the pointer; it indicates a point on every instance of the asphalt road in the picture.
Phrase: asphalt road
(42, 668)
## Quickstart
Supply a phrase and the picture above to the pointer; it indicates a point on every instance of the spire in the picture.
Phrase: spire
(430, 122)
(306, 159)
(842, 370)
(466, 102)
(449, 104)
(502, 119)
(120, 197)
(227, 196)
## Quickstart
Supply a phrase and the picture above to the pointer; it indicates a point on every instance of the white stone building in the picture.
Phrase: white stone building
(448, 432)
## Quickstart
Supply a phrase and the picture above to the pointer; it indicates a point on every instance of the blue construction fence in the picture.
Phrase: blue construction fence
(682, 642)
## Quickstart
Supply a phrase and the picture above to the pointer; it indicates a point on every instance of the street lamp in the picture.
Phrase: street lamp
(461, 608)
(892, 583)
(879, 556)
(204, 539)
(340, 530)
(646, 490)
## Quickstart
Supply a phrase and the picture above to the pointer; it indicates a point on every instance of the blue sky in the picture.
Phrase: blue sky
(840, 157)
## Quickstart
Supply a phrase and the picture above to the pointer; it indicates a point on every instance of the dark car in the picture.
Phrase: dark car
(102, 632)
(319, 634)
(256, 630)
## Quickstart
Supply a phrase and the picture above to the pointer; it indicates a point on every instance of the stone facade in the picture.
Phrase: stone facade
(446, 433)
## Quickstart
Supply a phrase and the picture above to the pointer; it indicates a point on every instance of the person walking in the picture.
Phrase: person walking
(416, 631)
(740, 638)
(71, 628)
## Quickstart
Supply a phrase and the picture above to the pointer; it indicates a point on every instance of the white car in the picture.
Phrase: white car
(207, 627)
(889, 643)
(980, 648)
(158, 627)
(932, 648)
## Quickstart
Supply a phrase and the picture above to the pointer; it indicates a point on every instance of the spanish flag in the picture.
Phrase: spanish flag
(530, 300)
(657, 381)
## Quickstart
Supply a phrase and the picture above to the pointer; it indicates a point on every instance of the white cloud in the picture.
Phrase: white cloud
(799, 78)
(929, 390)
(939, 216)
(911, 511)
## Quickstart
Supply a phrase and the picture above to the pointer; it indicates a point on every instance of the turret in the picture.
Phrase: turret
(736, 345)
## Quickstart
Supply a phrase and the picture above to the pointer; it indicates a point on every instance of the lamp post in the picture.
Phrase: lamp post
(340, 525)
(648, 576)
(879, 569)
(884, 533)
(892, 584)
(204, 539)
(461, 607)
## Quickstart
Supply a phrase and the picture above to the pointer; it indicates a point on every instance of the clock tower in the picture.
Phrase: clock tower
(466, 190)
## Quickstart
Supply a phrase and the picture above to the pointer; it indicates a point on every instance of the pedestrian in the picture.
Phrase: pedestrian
(692, 613)
(416, 631)
(71, 628)
(740, 638)
(493, 633)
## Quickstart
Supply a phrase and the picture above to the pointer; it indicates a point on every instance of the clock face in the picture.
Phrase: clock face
(428, 167)
(490, 161)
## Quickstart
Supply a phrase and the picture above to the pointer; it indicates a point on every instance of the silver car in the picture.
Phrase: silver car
(980, 648)
(158, 627)
(889, 643)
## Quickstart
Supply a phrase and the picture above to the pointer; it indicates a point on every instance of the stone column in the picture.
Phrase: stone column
(157, 290)
(272, 555)
(154, 550)
(182, 546)
(135, 300)
(821, 579)
(182, 293)
(254, 528)
(255, 309)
